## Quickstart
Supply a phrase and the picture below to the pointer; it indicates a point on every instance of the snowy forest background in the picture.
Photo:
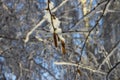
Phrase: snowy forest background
(90, 30)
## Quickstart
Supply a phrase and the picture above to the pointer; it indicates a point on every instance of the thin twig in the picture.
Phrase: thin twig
(97, 22)
(107, 77)
(81, 66)
(111, 52)
(32, 30)
(92, 12)
(43, 20)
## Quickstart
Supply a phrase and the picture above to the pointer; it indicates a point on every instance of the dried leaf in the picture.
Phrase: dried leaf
(55, 39)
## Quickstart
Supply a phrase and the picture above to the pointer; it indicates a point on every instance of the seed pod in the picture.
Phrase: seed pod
(63, 47)
(80, 73)
(55, 39)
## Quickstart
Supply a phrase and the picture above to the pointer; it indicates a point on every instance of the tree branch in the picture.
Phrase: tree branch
(108, 73)
(81, 66)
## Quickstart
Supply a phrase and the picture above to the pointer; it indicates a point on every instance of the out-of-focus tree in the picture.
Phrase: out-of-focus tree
(59, 40)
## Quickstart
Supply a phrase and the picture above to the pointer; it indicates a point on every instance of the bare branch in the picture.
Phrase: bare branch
(33, 29)
(107, 77)
(110, 54)
(81, 66)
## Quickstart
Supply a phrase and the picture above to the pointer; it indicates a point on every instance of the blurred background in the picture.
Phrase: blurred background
(91, 29)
